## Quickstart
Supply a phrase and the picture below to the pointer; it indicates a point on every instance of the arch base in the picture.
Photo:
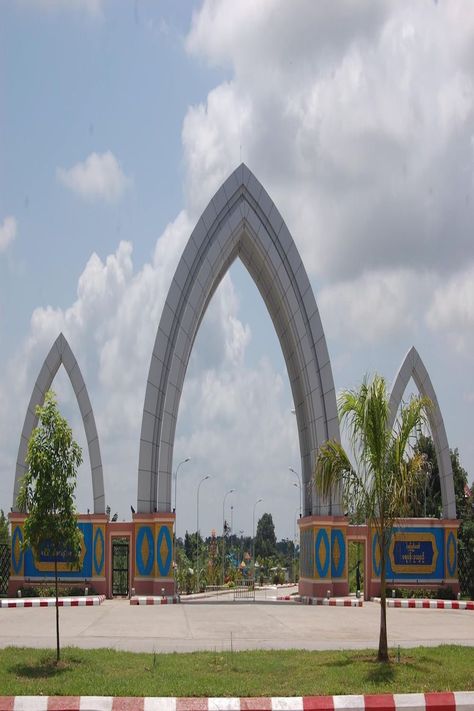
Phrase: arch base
(422, 554)
(150, 571)
(323, 556)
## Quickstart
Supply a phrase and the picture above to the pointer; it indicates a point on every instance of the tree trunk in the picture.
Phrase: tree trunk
(382, 655)
(57, 606)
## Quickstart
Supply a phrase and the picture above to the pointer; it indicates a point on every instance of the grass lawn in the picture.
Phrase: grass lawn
(254, 673)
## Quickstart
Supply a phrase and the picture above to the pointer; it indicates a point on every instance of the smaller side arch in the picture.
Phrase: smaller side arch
(61, 353)
(413, 367)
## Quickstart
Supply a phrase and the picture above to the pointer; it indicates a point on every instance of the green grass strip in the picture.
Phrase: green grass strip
(252, 673)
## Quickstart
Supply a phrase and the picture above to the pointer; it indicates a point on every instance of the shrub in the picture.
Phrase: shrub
(47, 590)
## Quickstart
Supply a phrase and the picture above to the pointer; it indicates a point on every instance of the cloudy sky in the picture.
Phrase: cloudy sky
(118, 122)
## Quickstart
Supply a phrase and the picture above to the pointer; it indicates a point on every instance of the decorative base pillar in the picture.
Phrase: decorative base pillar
(323, 556)
(153, 554)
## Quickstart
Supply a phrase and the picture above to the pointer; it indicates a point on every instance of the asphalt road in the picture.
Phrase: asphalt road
(219, 625)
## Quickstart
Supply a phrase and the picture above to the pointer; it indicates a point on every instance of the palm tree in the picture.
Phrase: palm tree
(381, 484)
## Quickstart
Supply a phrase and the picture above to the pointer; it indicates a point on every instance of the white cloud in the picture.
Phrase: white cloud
(8, 230)
(358, 122)
(377, 307)
(452, 310)
(248, 34)
(99, 177)
(212, 151)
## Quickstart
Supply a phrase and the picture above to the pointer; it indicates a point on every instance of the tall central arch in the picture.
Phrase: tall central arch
(240, 221)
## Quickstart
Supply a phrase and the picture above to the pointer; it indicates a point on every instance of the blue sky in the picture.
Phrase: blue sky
(119, 120)
(74, 83)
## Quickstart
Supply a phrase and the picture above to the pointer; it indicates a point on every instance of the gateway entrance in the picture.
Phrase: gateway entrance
(120, 568)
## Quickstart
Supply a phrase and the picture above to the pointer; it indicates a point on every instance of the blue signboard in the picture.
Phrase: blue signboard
(44, 566)
(413, 554)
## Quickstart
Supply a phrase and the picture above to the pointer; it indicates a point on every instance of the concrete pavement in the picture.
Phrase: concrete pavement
(190, 627)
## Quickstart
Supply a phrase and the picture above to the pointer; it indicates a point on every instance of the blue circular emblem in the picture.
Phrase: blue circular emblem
(338, 553)
(322, 539)
(376, 555)
(17, 551)
(144, 543)
(451, 554)
(99, 543)
(164, 565)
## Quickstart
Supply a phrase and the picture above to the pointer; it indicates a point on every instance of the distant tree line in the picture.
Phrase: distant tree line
(275, 560)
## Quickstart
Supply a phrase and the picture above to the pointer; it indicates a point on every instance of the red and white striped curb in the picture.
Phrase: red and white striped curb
(428, 604)
(444, 701)
(332, 601)
(51, 601)
(153, 600)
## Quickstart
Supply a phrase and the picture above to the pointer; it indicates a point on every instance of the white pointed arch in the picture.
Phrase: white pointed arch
(61, 353)
(240, 221)
(413, 367)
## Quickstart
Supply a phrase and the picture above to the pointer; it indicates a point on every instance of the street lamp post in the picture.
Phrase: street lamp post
(299, 484)
(197, 530)
(253, 535)
(294, 543)
(188, 459)
(231, 491)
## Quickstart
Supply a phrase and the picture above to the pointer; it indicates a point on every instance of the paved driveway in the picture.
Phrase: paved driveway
(189, 627)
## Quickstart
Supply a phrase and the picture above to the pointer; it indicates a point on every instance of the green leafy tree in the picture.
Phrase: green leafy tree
(265, 539)
(190, 542)
(384, 477)
(427, 500)
(47, 492)
(4, 530)
(184, 569)
(466, 549)
(429, 496)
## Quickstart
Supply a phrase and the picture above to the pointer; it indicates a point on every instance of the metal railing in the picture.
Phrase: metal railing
(4, 567)
(245, 590)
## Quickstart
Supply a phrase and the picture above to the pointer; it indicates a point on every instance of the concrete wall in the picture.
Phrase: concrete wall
(150, 539)
(422, 554)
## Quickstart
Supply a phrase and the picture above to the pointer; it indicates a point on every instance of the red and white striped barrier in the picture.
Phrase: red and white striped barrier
(412, 603)
(332, 601)
(444, 701)
(153, 600)
(51, 601)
